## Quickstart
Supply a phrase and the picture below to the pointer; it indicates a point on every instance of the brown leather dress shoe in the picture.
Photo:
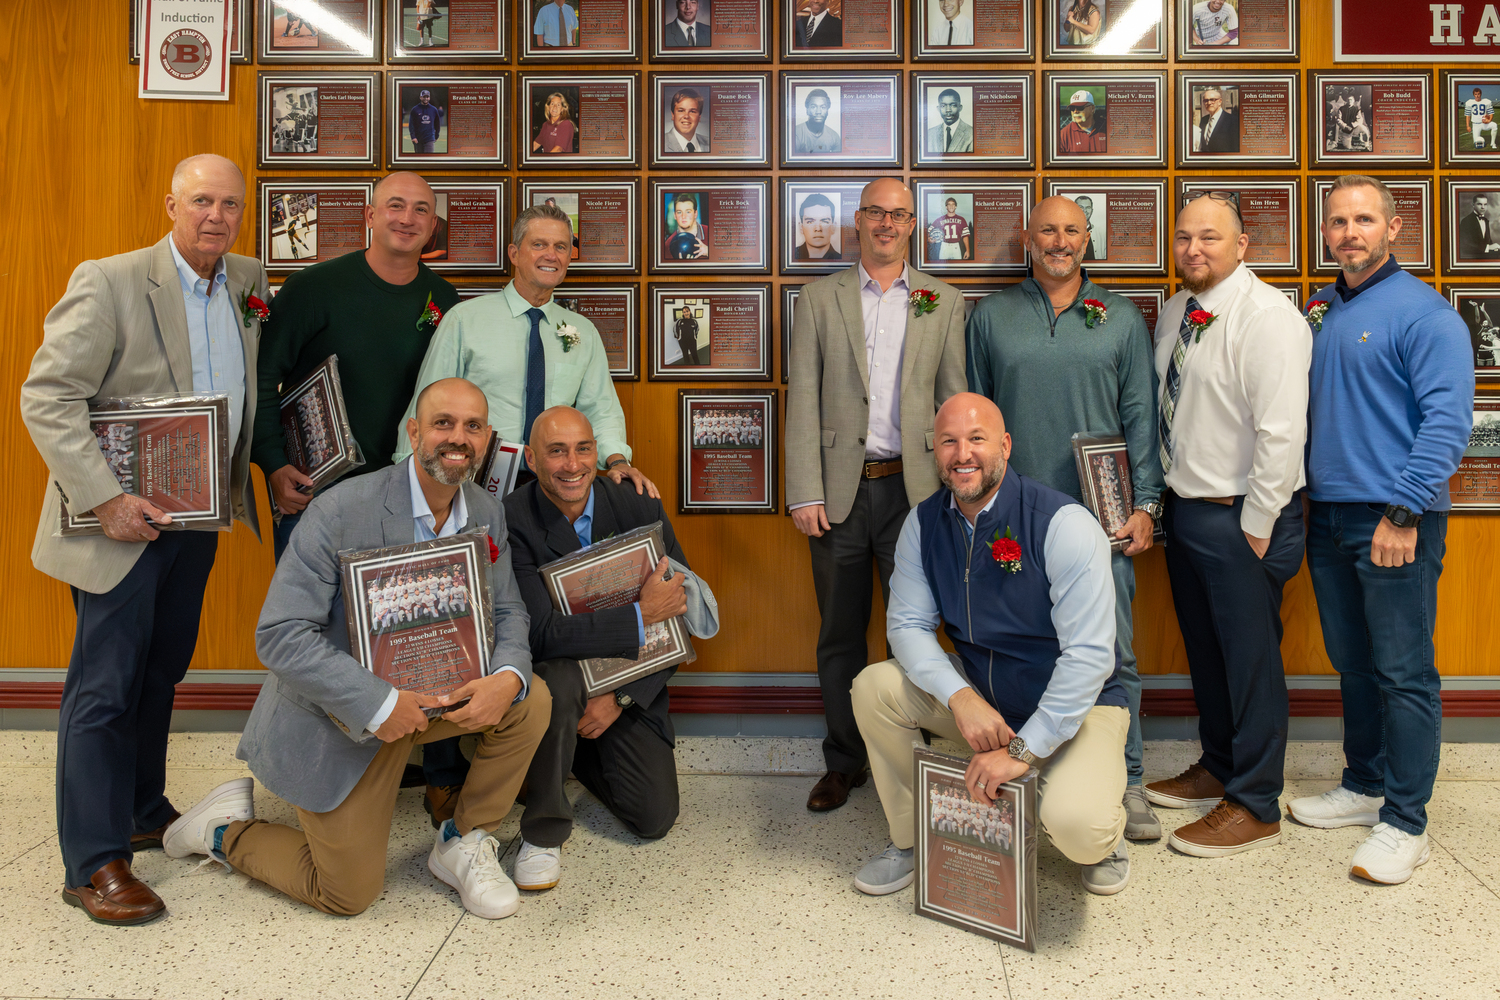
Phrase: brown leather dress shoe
(152, 840)
(832, 790)
(440, 802)
(1227, 829)
(114, 896)
(1193, 787)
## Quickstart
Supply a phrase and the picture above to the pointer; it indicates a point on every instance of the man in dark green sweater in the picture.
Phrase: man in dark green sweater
(1034, 350)
(371, 310)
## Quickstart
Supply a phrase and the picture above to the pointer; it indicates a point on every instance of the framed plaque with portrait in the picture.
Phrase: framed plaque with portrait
(1127, 220)
(1471, 133)
(1475, 487)
(318, 31)
(1104, 30)
(710, 225)
(727, 448)
(473, 225)
(719, 332)
(841, 30)
(710, 120)
(971, 226)
(818, 234)
(1414, 247)
(972, 120)
(613, 311)
(1370, 119)
(1471, 214)
(1479, 305)
(1101, 119)
(317, 119)
(576, 31)
(445, 31)
(446, 118)
(304, 221)
(964, 30)
(240, 32)
(709, 30)
(1270, 209)
(577, 120)
(841, 120)
(604, 214)
(1148, 299)
(1237, 30)
(1237, 119)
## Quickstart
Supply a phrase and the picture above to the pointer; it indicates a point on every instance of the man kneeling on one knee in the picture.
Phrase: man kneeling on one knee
(333, 739)
(1035, 682)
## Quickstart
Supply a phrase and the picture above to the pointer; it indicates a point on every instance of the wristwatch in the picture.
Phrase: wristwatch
(1152, 509)
(1017, 749)
(1401, 517)
(623, 700)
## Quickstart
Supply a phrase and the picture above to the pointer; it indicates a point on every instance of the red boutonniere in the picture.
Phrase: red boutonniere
(1097, 314)
(1200, 320)
(923, 300)
(1316, 308)
(1007, 551)
(430, 318)
(494, 550)
(252, 308)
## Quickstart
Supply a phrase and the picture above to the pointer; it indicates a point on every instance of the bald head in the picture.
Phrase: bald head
(403, 183)
(206, 206)
(400, 216)
(972, 448)
(968, 409)
(1057, 236)
(563, 454)
(450, 393)
(884, 243)
(559, 422)
(205, 165)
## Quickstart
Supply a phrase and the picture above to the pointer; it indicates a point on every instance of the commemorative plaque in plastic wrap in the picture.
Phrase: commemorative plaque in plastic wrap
(976, 863)
(419, 614)
(319, 443)
(497, 470)
(1104, 478)
(609, 574)
(172, 450)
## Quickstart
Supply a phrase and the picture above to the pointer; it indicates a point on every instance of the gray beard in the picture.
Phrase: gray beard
(448, 477)
(987, 482)
(1376, 258)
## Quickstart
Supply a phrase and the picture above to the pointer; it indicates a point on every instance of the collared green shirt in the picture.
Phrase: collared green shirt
(484, 340)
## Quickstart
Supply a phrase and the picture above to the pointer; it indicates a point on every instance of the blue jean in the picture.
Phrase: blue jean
(1124, 572)
(1377, 628)
(281, 534)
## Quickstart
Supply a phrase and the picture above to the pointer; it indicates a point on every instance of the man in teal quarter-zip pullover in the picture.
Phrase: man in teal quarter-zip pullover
(1057, 367)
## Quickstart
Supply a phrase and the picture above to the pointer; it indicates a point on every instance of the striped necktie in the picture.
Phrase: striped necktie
(1173, 384)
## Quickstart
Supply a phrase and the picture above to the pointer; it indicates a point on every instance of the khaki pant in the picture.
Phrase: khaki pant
(1081, 785)
(336, 862)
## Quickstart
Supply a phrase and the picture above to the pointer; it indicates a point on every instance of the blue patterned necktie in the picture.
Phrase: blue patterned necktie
(1173, 384)
(536, 375)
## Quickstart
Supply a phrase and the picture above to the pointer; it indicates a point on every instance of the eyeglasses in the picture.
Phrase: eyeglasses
(900, 216)
(1230, 198)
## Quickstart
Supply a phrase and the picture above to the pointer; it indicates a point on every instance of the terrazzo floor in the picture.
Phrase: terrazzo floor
(750, 895)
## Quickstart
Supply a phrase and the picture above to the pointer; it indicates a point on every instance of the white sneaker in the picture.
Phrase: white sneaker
(193, 831)
(538, 868)
(1337, 807)
(471, 864)
(1389, 855)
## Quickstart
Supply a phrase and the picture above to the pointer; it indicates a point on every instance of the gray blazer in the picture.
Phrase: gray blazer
(119, 330)
(674, 37)
(305, 738)
(828, 406)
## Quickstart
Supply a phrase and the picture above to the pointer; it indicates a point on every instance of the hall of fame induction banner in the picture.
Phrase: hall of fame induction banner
(184, 46)
(727, 443)
(1416, 31)
(240, 13)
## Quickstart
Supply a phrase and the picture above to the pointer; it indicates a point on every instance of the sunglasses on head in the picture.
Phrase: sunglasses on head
(1230, 198)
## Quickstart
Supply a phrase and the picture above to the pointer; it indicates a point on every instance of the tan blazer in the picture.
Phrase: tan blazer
(828, 408)
(119, 330)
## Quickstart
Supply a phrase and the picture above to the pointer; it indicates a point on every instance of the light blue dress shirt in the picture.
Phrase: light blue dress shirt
(584, 529)
(550, 27)
(218, 351)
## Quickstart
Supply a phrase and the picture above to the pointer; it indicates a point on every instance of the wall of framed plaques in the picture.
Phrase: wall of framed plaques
(712, 153)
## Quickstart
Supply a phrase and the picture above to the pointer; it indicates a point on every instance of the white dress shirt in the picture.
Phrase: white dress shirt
(885, 347)
(1241, 417)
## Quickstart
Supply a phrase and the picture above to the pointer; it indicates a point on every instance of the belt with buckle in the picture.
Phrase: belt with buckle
(879, 470)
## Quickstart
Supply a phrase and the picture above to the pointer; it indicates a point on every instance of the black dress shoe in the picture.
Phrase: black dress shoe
(832, 790)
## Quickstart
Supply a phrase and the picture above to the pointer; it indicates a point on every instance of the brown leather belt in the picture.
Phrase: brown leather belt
(879, 470)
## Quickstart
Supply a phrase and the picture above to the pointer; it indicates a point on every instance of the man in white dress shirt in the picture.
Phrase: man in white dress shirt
(948, 23)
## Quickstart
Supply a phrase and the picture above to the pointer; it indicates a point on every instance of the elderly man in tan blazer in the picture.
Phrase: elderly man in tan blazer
(165, 319)
(875, 350)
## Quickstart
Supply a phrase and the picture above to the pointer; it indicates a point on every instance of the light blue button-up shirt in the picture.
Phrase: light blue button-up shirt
(218, 351)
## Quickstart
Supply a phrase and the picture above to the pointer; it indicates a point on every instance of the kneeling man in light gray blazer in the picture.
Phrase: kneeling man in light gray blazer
(331, 738)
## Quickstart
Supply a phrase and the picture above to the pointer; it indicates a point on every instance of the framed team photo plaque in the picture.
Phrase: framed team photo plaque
(1148, 299)
(318, 31)
(962, 30)
(613, 311)
(1471, 131)
(240, 17)
(1475, 487)
(439, 31)
(1127, 220)
(1215, 31)
(841, 30)
(710, 225)
(708, 30)
(473, 226)
(818, 234)
(843, 120)
(578, 120)
(710, 120)
(962, 120)
(709, 332)
(971, 226)
(727, 445)
(1376, 119)
(604, 214)
(1479, 305)
(1471, 212)
(444, 118)
(317, 119)
(1414, 247)
(1270, 209)
(1104, 30)
(1237, 119)
(303, 221)
(574, 31)
(1101, 119)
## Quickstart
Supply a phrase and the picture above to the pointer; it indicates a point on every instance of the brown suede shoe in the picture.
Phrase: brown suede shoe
(1227, 829)
(832, 790)
(152, 840)
(1193, 787)
(114, 896)
(440, 802)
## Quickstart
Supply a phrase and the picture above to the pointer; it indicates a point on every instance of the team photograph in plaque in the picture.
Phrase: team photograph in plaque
(319, 443)
(1475, 487)
(1373, 119)
(1471, 133)
(975, 862)
(1479, 305)
(817, 224)
(1105, 119)
(972, 120)
(841, 120)
(960, 30)
(1270, 208)
(318, 31)
(1235, 30)
(439, 31)
(727, 441)
(1237, 119)
(574, 31)
(710, 120)
(303, 221)
(579, 120)
(446, 118)
(1104, 30)
(841, 30)
(241, 16)
(970, 226)
(709, 332)
(604, 215)
(710, 225)
(1414, 247)
(473, 227)
(1127, 220)
(1148, 299)
(1471, 213)
(709, 30)
(317, 119)
(1104, 479)
(613, 311)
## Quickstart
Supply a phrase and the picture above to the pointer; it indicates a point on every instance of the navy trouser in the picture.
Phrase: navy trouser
(1377, 628)
(281, 534)
(1229, 608)
(132, 645)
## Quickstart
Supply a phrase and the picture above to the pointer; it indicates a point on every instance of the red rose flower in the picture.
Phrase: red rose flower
(494, 549)
(258, 307)
(1093, 302)
(1005, 549)
(1200, 317)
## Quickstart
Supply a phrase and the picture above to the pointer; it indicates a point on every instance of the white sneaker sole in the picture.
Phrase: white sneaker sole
(1173, 802)
(1200, 851)
(1392, 878)
(1334, 822)
(888, 888)
(535, 886)
(1107, 890)
(185, 837)
(437, 867)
